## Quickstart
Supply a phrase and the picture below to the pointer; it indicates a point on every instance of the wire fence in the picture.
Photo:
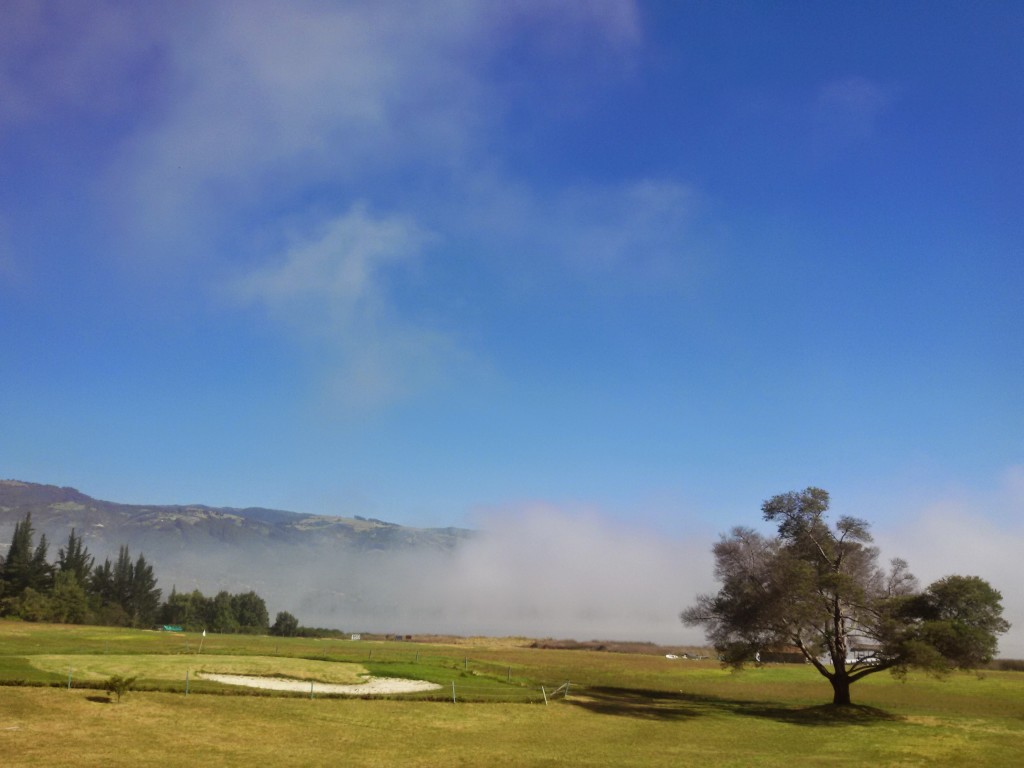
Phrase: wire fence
(458, 691)
(455, 691)
(470, 681)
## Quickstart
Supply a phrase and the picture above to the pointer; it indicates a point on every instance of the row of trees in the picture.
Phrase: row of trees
(245, 612)
(818, 588)
(74, 589)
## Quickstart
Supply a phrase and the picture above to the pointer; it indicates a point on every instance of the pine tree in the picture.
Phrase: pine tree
(145, 597)
(19, 556)
(25, 566)
(75, 559)
(101, 582)
(124, 575)
(40, 572)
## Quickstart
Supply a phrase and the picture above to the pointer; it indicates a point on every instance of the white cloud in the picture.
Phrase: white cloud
(230, 121)
(342, 263)
(233, 112)
(333, 288)
(259, 102)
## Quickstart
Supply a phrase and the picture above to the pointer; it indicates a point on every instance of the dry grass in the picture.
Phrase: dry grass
(73, 728)
(628, 710)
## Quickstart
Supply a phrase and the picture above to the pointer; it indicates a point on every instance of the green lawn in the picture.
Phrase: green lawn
(622, 709)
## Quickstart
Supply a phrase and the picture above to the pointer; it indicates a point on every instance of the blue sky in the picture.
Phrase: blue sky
(646, 263)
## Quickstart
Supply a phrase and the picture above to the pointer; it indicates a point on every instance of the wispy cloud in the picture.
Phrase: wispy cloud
(341, 263)
(260, 102)
(332, 287)
(235, 120)
(640, 232)
(265, 101)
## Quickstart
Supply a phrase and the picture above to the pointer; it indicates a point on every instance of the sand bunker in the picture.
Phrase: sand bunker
(373, 685)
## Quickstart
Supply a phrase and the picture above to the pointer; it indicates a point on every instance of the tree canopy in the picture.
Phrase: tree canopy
(818, 588)
(285, 625)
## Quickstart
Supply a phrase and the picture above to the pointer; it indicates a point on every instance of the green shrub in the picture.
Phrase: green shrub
(118, 686)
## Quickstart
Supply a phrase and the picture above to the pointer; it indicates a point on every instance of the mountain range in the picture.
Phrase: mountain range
(105, 525)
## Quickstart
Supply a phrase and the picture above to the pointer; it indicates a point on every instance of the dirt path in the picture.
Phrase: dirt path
(373, 685)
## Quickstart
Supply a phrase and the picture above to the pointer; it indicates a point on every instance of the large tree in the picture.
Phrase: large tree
(251, 612)
(144, 602)
(818, 588)
(285, 625)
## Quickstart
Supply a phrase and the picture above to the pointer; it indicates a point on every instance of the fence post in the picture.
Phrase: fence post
(186, 680)
(69, 678)
(545, 695)
(567, 684)
(453, 691)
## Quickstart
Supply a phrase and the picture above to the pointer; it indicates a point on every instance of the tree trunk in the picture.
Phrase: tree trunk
(840, 690)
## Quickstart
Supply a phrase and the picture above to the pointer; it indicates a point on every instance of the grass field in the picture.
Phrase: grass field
(623, 709)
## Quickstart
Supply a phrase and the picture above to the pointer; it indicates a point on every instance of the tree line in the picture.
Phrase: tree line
(75, 589)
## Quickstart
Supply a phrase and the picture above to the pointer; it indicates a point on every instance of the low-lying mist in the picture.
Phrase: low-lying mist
(538, 572)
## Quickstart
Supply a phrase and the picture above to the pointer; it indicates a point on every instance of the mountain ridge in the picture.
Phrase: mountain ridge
(104, 524)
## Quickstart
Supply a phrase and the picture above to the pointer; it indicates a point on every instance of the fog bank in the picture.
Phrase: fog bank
(538, 572)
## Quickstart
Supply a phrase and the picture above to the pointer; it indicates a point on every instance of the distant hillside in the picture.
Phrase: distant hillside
(170, 529)
(330, 571)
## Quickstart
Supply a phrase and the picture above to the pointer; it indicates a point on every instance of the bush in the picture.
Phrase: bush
(118, 686)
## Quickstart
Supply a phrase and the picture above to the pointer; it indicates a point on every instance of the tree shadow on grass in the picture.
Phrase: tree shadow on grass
(821, 715)
(668, 705)
(99, 699)
(629, 702)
